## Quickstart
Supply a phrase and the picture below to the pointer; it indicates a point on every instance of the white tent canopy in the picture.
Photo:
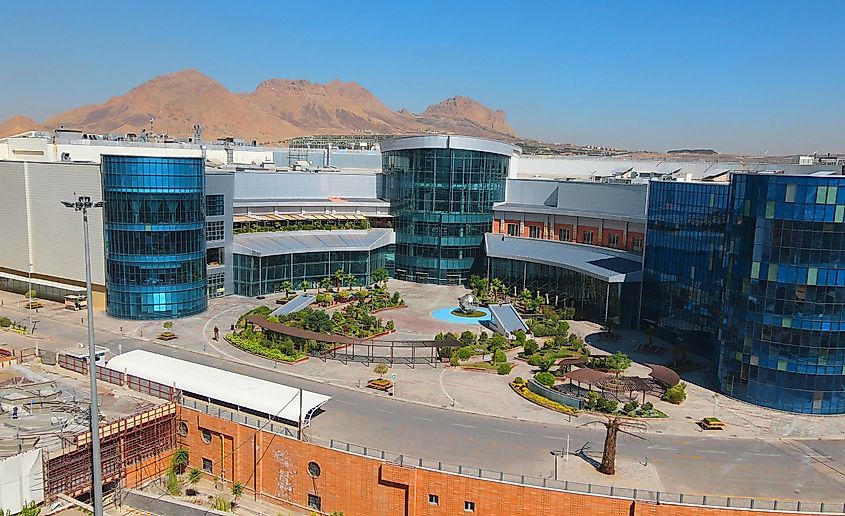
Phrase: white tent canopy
(273, 399)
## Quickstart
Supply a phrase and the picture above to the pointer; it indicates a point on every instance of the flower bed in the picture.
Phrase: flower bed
(250, 346)
(522, 390)
(475, 314)
(485, 367)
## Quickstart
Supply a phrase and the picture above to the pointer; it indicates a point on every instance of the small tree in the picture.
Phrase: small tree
(618, 362)
(676, 394)
(339, 276)
(351, 280)
(237, 490)
(504, 368)
(194, 476)
(325, 283)
(179, 460)
(31, 294)
(167, 325)
(381, 370)
(287, 288)
(499, 357)
(304, 285)
(467, 338)
(614, 425)
(379, 277)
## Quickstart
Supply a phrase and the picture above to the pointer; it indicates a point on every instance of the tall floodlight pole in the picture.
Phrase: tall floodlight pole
(82, 204)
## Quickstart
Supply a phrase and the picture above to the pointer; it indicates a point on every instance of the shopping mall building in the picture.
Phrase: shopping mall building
(741, 265)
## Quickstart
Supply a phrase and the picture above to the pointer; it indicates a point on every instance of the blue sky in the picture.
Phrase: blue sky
(737, 76)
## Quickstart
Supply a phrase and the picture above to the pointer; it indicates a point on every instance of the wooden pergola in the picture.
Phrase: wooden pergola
(364, 351)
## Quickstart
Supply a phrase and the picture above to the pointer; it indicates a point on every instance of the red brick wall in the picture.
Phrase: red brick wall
(527, 232)
(558, 227)
(584, 229)
(364, 486)
(605, 238)
(630, 243)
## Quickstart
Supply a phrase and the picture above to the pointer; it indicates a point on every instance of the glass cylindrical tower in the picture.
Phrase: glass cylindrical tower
(783, 341)
(441, 191)
(155, 236)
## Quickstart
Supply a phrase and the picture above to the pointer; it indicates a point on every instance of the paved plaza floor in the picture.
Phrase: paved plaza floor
(452, 388)
(460, 416)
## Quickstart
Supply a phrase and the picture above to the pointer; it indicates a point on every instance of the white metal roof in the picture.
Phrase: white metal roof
(273, 399)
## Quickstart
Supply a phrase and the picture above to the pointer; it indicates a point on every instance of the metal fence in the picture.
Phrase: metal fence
(642, 495)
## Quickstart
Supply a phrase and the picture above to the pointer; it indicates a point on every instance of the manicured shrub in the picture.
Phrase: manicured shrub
(676, 394)
(454, 361)
(504, 368)
(5, 322)
(467, 339)
(605, 405)
(545, 378)
(464, 353)
(535, 360)
(529, 348)
(648, 406)
(518, 380)
(499, 357)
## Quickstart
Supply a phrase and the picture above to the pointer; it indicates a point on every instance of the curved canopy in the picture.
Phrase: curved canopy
(587, 375)
(664, 375)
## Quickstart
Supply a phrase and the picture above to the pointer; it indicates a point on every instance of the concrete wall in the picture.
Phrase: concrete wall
(305, 185)
(39, 230)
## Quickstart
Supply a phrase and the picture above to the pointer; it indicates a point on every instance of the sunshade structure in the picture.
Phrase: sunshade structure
(273, 399)
(506, 320)
(664, 375)
(589, 376)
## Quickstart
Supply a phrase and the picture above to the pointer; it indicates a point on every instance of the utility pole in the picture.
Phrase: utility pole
(82, 204)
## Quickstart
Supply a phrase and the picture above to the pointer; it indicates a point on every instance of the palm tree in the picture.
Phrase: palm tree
(287, 288)
(326, 283)
(339, 276)
(351, 280)
(497, 287)
(305, 285)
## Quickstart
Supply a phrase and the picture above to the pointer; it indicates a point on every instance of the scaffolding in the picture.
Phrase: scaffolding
(126, 444)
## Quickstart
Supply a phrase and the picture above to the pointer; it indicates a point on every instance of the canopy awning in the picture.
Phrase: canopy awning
(270, 398)
(664, 375)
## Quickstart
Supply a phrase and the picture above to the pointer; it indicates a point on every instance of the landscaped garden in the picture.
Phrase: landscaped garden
(520, 386)
(256, 227)
(473, 345)
(353, 320)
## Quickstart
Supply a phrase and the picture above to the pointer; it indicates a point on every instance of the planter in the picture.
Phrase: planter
(167, 336)
(380, 384)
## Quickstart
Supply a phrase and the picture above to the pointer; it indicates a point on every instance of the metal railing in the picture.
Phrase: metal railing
(644, 495)
(570, 486)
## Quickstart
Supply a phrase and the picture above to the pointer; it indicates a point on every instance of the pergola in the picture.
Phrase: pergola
(609, 382)
(365, 351)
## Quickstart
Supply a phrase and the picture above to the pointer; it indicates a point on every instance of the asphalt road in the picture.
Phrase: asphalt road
(790, 469)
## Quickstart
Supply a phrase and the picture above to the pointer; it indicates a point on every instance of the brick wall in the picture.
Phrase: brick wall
(278, 468)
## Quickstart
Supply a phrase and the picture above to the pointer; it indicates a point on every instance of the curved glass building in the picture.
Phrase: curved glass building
(783, 341)
(441, 191)
(154, 229)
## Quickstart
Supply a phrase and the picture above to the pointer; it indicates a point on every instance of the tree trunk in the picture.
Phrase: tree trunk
(608, 458)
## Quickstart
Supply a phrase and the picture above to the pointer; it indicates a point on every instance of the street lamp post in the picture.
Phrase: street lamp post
(29, 295)
(83, 203)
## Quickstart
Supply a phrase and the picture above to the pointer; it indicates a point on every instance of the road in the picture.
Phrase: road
(793, 469)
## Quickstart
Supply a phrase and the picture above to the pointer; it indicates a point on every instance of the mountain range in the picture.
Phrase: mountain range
(276, 110)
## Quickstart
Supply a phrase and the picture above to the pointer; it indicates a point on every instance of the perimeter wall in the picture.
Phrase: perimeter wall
(277, 468)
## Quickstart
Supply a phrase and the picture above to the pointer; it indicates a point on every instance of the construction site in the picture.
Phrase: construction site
(45, 442)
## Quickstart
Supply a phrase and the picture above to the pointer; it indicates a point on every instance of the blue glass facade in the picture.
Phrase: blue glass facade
(783, 343)
(154, 236)
(755, 270)
(441, 200)
(683, 273)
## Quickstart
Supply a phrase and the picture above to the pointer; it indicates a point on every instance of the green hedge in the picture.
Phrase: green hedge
(251, 346)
